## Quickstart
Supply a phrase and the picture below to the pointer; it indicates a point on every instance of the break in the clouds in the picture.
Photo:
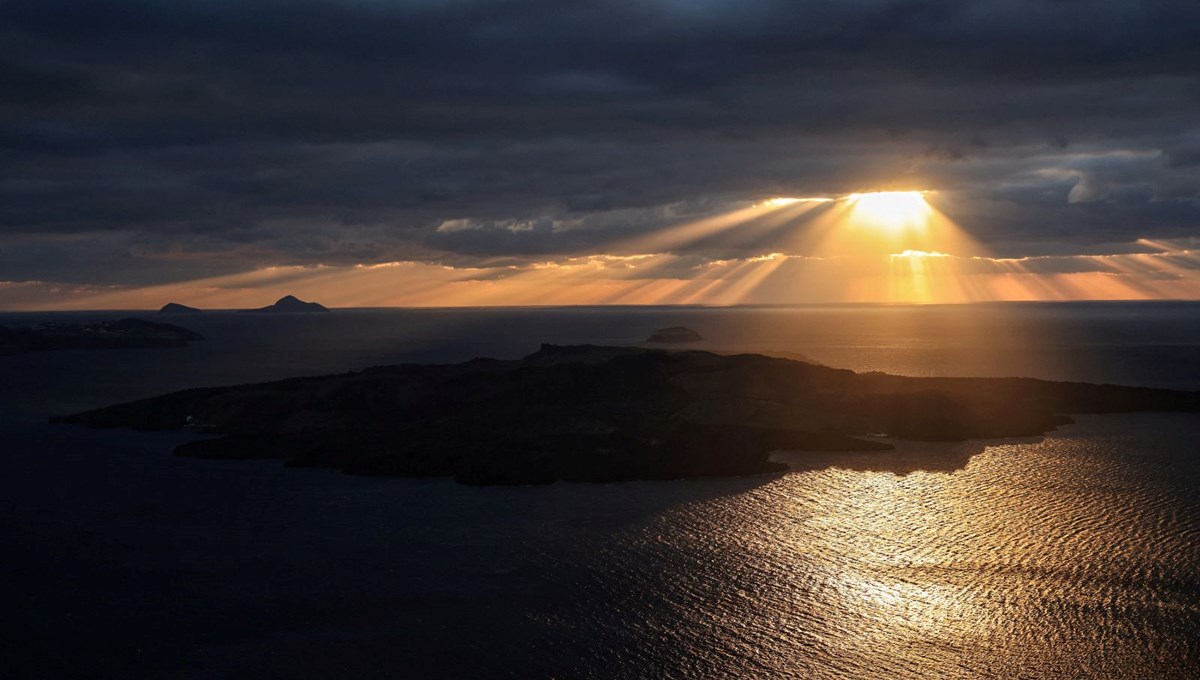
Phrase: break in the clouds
(149, 143)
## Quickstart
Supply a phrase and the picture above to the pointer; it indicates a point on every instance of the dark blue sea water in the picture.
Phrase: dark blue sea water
(1072, 555)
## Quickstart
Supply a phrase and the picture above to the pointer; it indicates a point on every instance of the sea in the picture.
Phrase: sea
(1071, 555)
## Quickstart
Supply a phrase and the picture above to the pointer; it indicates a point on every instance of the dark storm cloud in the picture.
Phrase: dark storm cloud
(187, 138)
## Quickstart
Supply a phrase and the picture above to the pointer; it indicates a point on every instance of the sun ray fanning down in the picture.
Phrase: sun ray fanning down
(771, 211)
(896, 247)
(885, 223)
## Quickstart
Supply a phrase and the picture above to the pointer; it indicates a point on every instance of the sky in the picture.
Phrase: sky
(223, 153)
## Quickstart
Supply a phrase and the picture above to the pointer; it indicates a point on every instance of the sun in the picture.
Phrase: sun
(890, 210)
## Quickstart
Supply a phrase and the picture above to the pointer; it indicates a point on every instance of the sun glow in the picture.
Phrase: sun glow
(890, 210)
(892, 246)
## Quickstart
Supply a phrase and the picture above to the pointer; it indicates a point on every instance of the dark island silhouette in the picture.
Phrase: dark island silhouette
(289, 304)
(600, 414)
(176, 308)
(122, 333)
(674, 334)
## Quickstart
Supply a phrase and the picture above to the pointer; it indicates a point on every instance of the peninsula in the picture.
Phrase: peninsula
(588, 413)
(122, 333)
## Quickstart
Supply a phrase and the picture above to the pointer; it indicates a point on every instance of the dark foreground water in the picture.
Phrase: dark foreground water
(1072, 555)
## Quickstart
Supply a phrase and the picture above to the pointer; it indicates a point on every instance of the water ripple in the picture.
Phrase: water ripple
(1071, 556)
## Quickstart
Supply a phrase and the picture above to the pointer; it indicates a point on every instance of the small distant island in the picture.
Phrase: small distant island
(104, 335)
(290, 304)
(176, 308)
(675, 334)
(602, 414)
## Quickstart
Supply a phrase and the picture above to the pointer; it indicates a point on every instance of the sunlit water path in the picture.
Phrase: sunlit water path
(1072, 556)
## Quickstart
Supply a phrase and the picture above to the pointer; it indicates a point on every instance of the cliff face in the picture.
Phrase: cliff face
(603, 413)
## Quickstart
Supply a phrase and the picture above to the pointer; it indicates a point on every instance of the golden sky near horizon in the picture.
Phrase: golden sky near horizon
(890, 247)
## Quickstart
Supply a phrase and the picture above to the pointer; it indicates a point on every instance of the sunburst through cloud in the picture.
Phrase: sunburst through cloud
(891, 246)
(827, 340)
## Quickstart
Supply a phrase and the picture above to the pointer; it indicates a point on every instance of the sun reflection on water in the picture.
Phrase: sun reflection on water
(1024, 561)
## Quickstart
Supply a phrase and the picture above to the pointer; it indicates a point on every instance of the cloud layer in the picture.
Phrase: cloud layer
(154, 142)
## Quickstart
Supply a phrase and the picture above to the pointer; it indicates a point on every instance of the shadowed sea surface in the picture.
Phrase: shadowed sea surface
(1076, 554)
